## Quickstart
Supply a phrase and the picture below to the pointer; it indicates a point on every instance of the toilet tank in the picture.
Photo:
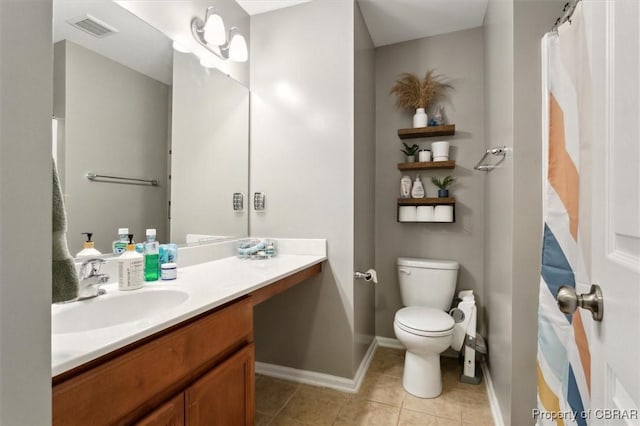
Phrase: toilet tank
(427, 282)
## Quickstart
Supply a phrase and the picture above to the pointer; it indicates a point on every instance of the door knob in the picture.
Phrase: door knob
(569, 301)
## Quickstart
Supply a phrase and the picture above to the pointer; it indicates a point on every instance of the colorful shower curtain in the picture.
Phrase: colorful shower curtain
(563, 360)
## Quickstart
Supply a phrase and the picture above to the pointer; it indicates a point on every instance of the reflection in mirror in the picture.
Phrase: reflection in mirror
(121, 110)
(210, 152)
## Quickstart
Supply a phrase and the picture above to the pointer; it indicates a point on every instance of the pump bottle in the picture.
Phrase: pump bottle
(89, 249)
(130, 268)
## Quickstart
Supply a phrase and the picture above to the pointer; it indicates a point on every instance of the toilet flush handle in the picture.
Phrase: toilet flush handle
(404, 271)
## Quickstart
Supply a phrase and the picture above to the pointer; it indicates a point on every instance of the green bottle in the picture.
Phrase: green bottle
(151, 257)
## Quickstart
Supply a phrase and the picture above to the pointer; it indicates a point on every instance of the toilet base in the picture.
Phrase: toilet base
(422, 376)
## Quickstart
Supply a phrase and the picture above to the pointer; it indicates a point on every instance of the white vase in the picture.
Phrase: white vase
(420, 118)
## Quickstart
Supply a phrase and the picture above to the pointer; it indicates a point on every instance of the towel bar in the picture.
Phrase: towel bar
(500, 151)
(109, 179)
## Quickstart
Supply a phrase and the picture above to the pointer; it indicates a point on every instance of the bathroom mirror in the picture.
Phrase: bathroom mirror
(127, 106)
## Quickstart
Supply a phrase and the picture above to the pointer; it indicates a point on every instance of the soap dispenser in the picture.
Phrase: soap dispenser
(130, 268)
(89, 250)
(417, 191)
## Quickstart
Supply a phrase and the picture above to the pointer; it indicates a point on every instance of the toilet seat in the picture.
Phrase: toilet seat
(426, 322)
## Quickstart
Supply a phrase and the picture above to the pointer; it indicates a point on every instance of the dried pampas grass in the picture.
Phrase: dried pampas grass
(412, 93)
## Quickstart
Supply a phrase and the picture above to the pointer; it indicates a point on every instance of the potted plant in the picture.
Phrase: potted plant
(410, 152)
(418, 95)
(443, 185)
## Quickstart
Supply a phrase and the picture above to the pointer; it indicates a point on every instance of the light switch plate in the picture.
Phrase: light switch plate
(258, 201)
(238, 202)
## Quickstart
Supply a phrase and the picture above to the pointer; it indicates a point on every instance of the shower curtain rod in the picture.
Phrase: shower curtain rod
(567, 12)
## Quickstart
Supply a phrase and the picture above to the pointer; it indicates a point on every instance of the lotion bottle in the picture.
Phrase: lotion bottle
(417, 191)
(130, 268)
(89, 249)
(405, 187)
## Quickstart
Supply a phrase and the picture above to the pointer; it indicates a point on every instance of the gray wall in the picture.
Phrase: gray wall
(116, 123)
(210, 151)
(532, 19)
(513, 30)
(459, 57)
(26, 98)
(498, 244)
(302, 158)
(365, 191)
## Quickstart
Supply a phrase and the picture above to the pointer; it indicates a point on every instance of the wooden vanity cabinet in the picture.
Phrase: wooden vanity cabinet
(200, 372)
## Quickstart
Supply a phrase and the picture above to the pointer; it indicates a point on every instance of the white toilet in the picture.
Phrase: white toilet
(424, 327)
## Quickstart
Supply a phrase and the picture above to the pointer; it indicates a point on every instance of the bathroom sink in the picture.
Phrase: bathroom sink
(113, 308)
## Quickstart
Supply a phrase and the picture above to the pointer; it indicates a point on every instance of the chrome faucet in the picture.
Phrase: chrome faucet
(91, 279)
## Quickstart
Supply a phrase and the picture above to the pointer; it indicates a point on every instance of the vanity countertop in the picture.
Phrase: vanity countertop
(208, 285)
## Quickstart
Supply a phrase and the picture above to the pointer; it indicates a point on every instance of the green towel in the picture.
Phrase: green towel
(64, 276)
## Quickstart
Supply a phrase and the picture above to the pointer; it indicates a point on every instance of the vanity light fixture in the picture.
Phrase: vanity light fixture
(210, 33)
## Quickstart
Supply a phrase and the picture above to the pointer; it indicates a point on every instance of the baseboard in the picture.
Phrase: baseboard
(493, 399)
(320, 379)
(387, 342)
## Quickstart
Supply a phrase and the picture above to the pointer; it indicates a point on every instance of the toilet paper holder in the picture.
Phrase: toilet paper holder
(370, 275)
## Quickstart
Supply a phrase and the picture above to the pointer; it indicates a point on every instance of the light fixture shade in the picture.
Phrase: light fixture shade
(180, 47)
(238, 48)
(214, 32)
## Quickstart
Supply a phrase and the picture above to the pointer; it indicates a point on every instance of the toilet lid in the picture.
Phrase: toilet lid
(424, 321)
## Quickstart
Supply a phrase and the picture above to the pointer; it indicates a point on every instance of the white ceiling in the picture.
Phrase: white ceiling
(137, 45)
(395, 21)
(147, 50)
(255, 7)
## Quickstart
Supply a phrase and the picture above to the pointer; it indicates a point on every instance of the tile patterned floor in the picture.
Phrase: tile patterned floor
(380, 401)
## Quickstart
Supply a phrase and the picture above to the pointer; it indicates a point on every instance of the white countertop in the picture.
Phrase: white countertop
(208, 285)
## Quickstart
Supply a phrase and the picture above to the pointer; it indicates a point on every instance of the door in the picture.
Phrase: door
(225, 395)
(613, 33)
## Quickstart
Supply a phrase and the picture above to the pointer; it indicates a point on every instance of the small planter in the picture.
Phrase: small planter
(411, 158)
(443, 193)
(424, 155)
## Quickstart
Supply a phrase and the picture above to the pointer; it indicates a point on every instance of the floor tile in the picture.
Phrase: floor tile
(449, 408)
(285, 421)
(262, 419)
(388, 361)
(381, 400)
(273, 394)
(382, 388)
(476, 413)
(360, 412)
(315, 407)
(415, 418)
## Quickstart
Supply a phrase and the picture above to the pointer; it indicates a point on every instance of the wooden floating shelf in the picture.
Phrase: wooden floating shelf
(426, 201)
(427, 132)
(427, 165)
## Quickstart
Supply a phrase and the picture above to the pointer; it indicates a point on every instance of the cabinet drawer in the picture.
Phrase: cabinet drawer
(132, 384)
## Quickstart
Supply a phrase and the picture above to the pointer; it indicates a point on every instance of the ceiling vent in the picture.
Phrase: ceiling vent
(93, 26)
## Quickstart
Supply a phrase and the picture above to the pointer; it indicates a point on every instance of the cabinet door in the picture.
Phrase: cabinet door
(225, 395)
(170, 413)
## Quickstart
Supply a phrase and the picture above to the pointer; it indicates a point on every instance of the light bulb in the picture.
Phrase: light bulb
(238, 48)
(180, 47)
(214, 31)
